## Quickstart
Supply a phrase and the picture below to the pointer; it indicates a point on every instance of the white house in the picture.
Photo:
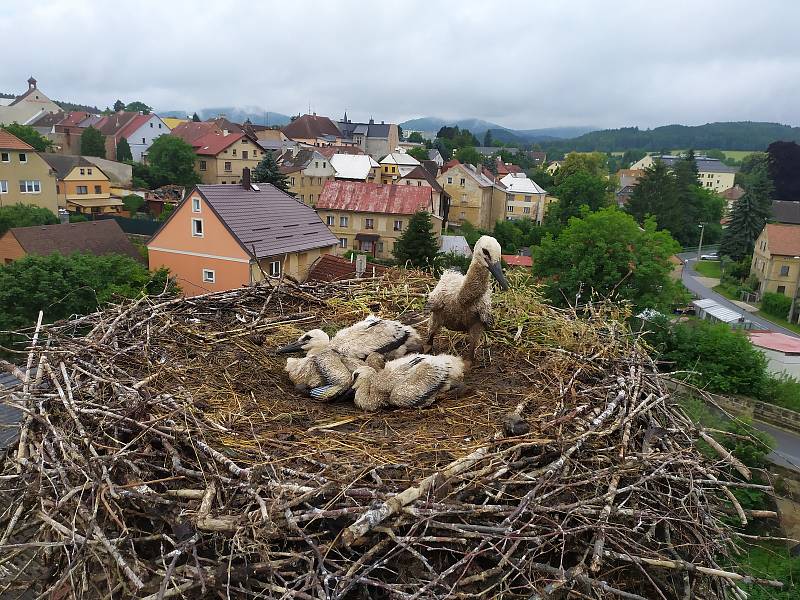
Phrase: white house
(782, 351)
(140, 131)
(359, 167)
(525, 199)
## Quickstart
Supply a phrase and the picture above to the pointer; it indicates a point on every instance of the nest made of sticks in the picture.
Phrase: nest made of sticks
(164, 453)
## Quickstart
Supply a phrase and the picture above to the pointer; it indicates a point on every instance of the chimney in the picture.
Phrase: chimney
(246, 179)
(224, 132)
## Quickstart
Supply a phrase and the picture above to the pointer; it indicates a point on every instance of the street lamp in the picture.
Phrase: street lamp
(702, 227)
(794, 295)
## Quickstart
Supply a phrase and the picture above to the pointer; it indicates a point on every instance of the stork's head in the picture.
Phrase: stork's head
(310, 340)
(487, 253)
(362, 375)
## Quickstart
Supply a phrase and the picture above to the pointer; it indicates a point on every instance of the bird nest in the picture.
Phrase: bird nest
(164, 453)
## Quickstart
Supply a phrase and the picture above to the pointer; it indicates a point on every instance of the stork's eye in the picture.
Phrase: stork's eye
(486, 252)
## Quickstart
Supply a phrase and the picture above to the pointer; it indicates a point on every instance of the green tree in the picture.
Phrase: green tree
(267, 171)
(508, 235)
(171, 161)
(93, 143)
(487, 138)
(419, 153)
(65, 285)
(593, 163)
(580, 188)
(30, 136)
(748, 216)
(166, 211)
(132, 203)
(417, 245)
(608, 253)
(416, 137)
(119, 105)
(139, 106)
(24, 215)
(124, 151)
(195, 118)
(76, 218)
(468, 155)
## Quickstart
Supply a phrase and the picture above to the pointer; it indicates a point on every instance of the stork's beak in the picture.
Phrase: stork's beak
(496, 269)
(290, 348)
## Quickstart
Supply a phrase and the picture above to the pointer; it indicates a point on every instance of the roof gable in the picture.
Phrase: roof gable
(12, 142)
(311, 127)
(782, 239)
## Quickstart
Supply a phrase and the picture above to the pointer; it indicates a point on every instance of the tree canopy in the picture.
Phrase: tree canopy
(267, 171)
(468, 155)
(419, 153)
(417, 245)
(124, 153)
(748, 216)
(24, 215)
(195, 118)
(608, 253)
(132, 203)
(416, 137)
(119, 105)
(171, 161)
(93, 143)
(30, 136)
(784, 167)
(138, 106)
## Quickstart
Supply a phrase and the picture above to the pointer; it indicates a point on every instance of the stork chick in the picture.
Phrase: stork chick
(464, 302)
(412, 381)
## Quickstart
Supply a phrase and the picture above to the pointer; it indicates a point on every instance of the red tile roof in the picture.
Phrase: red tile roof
(73, 118)
(310, 127)
(335, 268)
(112, 124)
(215, 142)
(359, 196)
(12, 142)
(329, 151)
(132, 125)
(190, 131)
(783, 240)
(772, 340)
(450, 164)
(512, 260)
(506, 168)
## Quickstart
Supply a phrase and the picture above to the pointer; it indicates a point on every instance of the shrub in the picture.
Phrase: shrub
(782, 390)
(776, 304)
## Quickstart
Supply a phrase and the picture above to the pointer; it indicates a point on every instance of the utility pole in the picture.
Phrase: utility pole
(794, 295)
(702, 227)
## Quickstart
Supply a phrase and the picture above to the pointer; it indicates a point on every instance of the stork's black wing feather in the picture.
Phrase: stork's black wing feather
(394, 344)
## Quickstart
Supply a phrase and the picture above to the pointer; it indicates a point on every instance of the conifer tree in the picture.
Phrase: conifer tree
(267, 171)
(124, 150)
(93, 143)
(417, 246)
(748, 216)
(195, 118)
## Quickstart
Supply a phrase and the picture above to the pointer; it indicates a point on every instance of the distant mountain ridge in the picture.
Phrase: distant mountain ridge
(237, 115)
(732, 135)
(504, 134)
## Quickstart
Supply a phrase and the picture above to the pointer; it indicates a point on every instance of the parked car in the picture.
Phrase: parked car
(709, 256)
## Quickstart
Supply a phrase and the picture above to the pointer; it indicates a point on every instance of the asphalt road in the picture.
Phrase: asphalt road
(694, 286)
(787, 446)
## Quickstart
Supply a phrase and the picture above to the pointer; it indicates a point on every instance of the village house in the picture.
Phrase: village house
(27, 107)
(139, 130)
(81, 186)
(474, 197)
(371, 217)
(221, 237)
(356, 167)
(25, 177)
(504, 168)
(63, 129)
(92, 237)
(776, 259)
(313, 130)
(222, 155)
(525, 199)
(375, 139)
(422, 177)
(436, 156)
(397, 165)
(712, 172)
(306, 170)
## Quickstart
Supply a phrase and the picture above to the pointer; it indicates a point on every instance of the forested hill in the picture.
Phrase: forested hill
(743, 135)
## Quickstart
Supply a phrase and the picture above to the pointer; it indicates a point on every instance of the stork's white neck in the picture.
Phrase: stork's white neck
(475, 283)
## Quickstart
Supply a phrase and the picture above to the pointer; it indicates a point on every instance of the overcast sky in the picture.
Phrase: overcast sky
(520, 64)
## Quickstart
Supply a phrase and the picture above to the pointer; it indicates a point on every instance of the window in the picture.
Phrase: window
(202, 165)
(463, 182)
(781, 289)
(398, 225)
(323, 164)
(275, 268)
(3, 186)
(343, 221)
(379, 247)
(227, 166)
(159, 125)
(785, 271)
(30, 186)
(151, 125)
(234, 151)
(527, 198)
(244, 154)
(342, 242)
(97, 189)
(329, 221)
(197, 227)
(5, 157)
(408, 182)
(144, 141)
(316, 164)
(196, 205)
(81, 189)
(394, 169)
(23, 158)
(292, 180)
(311, 197)
(449, 180)
(419, 184)
(509, 208)
(82, 171)
(526, 210)
(89, 171)
(369, 224)
(209, 276)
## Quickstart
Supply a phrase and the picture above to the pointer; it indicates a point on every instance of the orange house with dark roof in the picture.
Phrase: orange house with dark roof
(222, 237)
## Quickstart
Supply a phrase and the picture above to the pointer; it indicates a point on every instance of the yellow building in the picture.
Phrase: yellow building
(81, 186)
(474, 197)
(397, 165)
(306, 171)
(776, 259)
(371, 217)
(25, 177)
(173, 122)
(525, 199)
(712, 172)
(222, 154)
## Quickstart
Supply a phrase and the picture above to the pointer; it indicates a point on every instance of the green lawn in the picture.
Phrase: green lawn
(709, 268)
(731, 292)
(737, 154)
(779, 321)
(770, 560)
